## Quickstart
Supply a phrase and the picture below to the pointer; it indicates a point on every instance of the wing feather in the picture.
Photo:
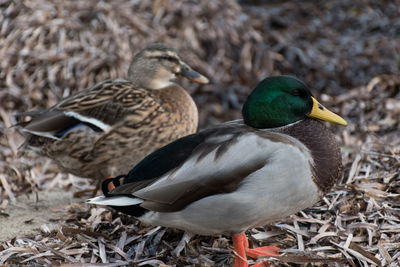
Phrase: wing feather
(100, 107)
(174, 176)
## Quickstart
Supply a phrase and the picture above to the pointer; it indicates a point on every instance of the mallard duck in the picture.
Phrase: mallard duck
(278, 160)
(101, 131)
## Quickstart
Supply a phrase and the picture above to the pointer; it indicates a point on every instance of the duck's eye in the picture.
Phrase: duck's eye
(298, 92)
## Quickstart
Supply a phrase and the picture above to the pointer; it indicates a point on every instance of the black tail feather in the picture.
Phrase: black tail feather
(115, 183)
(134, 210)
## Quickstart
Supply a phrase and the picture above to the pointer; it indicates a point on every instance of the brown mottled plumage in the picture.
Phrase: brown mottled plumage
(103, 130)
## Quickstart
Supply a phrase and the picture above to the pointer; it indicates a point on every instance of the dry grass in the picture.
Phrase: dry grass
(51, 49)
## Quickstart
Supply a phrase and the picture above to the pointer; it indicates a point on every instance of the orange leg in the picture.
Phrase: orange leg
(261, 264)
(263, 251)
(241, 246)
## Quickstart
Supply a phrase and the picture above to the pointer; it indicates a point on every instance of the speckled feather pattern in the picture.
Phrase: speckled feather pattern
(143, 120)
(104, 130)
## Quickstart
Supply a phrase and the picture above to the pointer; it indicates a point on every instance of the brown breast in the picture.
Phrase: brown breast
(180, 108)
(324, 148)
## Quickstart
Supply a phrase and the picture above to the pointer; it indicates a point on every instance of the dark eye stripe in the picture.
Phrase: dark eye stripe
(173, 59)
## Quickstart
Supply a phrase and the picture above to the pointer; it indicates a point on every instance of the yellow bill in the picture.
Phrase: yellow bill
(322, 113)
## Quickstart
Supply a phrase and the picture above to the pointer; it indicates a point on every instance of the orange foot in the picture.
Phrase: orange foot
(241, 247)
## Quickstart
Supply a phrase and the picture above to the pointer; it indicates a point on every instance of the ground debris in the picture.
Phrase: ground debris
(52, 49)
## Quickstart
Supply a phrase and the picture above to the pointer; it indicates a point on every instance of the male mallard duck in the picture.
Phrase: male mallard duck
(101, 131)
(277, 161)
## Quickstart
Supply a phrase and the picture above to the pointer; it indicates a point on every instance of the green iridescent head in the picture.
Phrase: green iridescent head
(281, 100)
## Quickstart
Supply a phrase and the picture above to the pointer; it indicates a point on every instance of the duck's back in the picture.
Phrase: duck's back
(174, 116)
(137, 121)
(248, 176)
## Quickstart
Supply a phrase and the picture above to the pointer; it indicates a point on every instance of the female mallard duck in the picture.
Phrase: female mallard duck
(240, 174)
(101, 131)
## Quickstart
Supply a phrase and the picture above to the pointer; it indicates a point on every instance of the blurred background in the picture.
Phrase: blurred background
(51, 49)
(346, 51)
